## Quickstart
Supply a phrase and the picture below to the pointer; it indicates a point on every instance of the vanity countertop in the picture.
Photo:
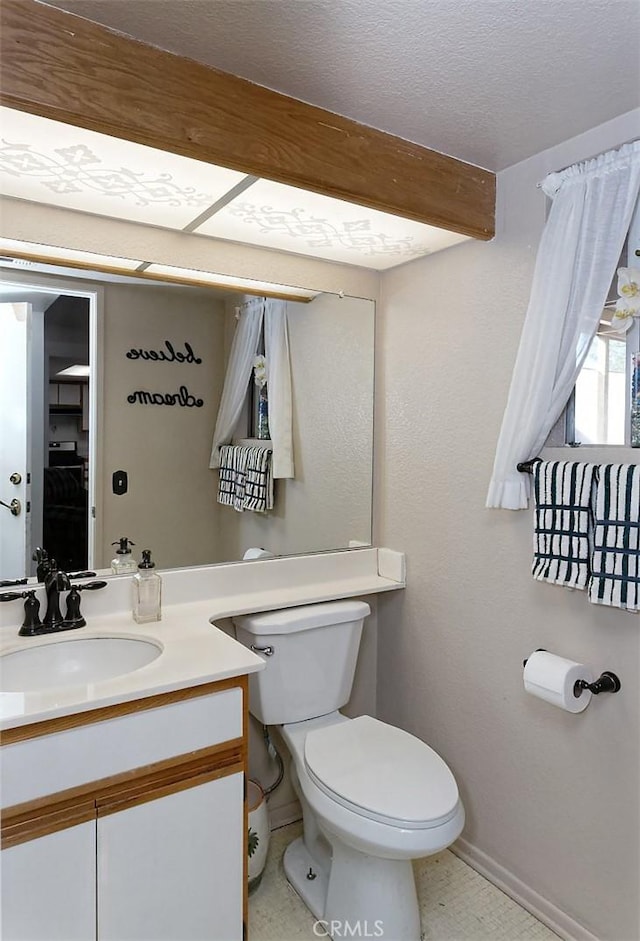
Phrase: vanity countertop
(194, 652)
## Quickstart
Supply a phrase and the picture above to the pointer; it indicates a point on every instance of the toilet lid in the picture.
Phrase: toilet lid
(382, 773)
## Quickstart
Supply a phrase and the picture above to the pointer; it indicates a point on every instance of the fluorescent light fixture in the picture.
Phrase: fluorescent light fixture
(76, 371)
(52, 254)
(37, 256)
(246, 285)
(61, 165)
(293, 220)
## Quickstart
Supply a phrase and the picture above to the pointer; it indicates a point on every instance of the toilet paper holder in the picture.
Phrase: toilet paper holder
(607, 682)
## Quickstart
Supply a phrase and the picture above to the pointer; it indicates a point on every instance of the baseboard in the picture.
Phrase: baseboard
(544, 910)
(288, 813)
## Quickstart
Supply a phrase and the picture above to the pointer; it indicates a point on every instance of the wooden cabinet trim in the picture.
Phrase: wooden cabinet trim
(69, 69)
(67, 808)
(21, 733)
(181, 784)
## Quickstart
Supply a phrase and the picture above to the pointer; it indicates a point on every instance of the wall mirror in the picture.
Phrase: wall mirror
(79, 434)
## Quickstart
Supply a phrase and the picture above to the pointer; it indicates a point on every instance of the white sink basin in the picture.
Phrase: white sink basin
(74, 661)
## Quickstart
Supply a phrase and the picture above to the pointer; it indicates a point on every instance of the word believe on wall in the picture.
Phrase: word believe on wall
(169, 354)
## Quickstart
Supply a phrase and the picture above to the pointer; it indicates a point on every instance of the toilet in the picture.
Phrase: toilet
(373, 796)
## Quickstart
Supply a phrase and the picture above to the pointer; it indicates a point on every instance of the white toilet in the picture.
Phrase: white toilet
(373, 797)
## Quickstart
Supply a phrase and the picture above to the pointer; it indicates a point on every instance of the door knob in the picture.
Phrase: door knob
(15, 506)
(16, 478)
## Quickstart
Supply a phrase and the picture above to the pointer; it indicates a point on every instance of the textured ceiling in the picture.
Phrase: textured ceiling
(489, 81)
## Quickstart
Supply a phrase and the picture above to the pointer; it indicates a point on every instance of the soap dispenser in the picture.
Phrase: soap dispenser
(123, 563)
(147, 591)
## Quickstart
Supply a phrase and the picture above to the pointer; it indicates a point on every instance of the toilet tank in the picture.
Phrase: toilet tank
(310, 671)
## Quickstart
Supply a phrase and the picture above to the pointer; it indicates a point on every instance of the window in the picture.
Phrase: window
(601, 408)
(605, 406)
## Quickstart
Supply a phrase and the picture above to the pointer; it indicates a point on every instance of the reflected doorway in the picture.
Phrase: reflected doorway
(49, 433)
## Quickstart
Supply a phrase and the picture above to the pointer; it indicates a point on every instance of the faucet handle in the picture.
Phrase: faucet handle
(74, 617)
(11, 595)
(32, 624)
(90, 586)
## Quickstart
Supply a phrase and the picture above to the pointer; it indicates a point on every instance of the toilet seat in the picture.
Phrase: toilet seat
(381, 772)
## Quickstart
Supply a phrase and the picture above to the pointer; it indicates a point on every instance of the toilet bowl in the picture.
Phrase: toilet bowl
(373, 796)
(379, 797)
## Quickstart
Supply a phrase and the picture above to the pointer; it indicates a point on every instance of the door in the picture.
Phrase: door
(172, 867)
(49, 887)
(14, 437)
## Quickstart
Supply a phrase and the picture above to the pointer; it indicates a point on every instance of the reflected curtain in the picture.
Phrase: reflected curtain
(239, 371)
(580, 247)
(276, 348)
(239, 374)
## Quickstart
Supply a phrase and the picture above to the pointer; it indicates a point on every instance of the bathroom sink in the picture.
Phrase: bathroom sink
(74, 661)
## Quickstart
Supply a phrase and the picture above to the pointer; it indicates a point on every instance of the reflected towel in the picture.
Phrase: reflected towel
(246, 478)
(616, 543)
(258, 494)
(562, 522)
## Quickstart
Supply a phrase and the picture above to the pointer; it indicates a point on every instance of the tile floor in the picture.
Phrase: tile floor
(457, 903)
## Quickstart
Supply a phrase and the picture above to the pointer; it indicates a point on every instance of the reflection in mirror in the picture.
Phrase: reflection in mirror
(124, 450)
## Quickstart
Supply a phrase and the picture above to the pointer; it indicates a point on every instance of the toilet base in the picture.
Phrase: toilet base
(366, 894)
(298, 865)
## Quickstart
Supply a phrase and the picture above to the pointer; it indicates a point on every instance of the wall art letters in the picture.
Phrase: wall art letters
(182, 397)
(170, 355)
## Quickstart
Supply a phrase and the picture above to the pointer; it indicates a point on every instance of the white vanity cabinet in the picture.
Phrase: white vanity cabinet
(132, 822)
(49, 887)
(171, 868)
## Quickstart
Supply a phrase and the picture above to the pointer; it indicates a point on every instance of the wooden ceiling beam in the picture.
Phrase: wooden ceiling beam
(63, 67)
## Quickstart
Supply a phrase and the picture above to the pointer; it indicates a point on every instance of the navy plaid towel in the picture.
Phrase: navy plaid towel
(615, 578)
(562, 522)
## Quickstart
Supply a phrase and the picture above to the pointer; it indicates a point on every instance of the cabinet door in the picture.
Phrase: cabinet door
(69, 393)
(49, 887)
(172, 867)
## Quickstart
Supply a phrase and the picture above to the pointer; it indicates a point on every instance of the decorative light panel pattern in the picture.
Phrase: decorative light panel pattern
(48, 162)
(57, 164)
(294, 220)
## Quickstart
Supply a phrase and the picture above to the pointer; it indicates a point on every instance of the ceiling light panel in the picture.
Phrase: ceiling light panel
(294, 220)
(53, 254)
(49, 162)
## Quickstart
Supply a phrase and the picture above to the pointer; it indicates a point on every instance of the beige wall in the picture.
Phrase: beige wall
(170, 505)
(328, 503)
(552, 798)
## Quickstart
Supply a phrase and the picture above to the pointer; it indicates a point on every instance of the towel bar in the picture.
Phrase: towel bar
(526, 467)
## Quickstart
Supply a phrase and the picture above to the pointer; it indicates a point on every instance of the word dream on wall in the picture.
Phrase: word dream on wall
(183, 398)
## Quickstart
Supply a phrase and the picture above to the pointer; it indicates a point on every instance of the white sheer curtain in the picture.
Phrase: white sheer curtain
(276, 349)
(236, 381)
(579, 250)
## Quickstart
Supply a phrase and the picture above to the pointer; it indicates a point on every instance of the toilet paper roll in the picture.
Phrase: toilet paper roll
(553, 678)
(257, 553)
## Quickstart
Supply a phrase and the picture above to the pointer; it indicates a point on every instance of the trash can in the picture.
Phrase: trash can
(259, 833)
